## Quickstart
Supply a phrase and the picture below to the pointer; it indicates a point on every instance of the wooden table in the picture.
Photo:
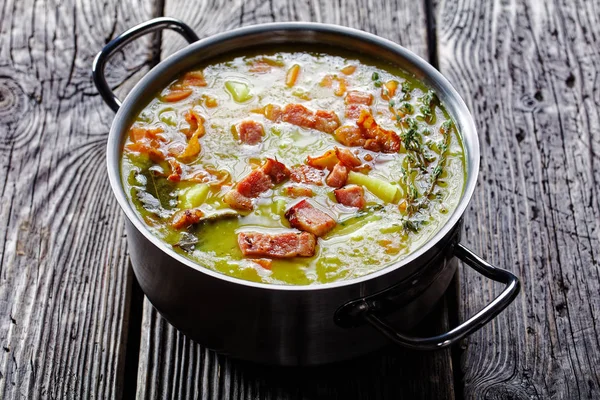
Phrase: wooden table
(73, 322)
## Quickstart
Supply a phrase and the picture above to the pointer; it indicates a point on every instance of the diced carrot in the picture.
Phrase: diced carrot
(348, 69)
(177, 94)
(210, 102)
(263, 262)
(327, 160)
(292, 75)
(272, 112)
(194, 78)
(388, 90)
(193, 146)
(328, 80)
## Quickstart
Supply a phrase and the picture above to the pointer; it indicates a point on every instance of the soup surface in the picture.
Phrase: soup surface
(294, 167)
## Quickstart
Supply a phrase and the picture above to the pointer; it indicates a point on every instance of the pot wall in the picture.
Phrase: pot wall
(277, 326)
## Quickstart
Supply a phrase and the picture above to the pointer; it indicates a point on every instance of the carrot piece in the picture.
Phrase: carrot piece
(272, 112)
(389, 90)
(263, 262)
(194, 78)
(210, 102)
(327, 160)
(292, 75)
(348, 69)
(193, 146)
(177, 94)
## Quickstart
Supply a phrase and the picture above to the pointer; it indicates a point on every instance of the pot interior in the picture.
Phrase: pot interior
(311, 36)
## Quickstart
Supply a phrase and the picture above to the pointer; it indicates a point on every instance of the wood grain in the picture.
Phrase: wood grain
(63, 257)
(173, 367)
(529, 73)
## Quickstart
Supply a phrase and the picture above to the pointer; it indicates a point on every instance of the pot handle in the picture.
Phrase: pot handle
(469, 326)
(117, 43)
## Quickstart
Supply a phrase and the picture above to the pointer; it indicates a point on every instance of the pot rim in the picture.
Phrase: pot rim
(462, 117)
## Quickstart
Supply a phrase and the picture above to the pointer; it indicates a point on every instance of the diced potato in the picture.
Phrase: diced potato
(380, 188)
(193, 196)
(279, 207)
(238, 90)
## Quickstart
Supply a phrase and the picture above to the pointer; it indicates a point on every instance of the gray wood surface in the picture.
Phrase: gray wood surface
(71, 321)
(63, 257)
(172, 367)
(529, 73)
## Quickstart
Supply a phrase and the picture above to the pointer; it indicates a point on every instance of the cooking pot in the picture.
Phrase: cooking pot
(307, 324)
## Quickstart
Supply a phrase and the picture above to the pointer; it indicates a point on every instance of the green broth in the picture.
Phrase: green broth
(431, 178)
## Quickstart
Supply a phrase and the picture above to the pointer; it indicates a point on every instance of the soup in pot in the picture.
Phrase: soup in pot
(294, 167)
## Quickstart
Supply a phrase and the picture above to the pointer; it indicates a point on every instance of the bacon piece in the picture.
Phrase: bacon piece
(297, 114)
(183, 219)
(237, 200)
(147, 141)
(386, 141)
(298, 191)
(277, 171)
(281, 245)
(250, 132)
(353, 110)
(176, 171)
(326, 121)
(254, 183)
(321, 120)
(356, 97)
(356, 102)
(338, 176)
(307, 218)
(351, 196)
(306, 174)
(347, 158)
(349, 136)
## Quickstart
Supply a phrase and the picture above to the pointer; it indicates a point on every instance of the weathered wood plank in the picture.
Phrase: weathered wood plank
(63, 258)
(173, 367)
(529, 72)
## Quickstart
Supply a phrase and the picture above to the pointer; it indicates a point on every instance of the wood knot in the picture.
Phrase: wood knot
(12, 100)
(14, 107)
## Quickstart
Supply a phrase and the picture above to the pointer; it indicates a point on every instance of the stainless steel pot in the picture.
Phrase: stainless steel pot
(296, 325)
